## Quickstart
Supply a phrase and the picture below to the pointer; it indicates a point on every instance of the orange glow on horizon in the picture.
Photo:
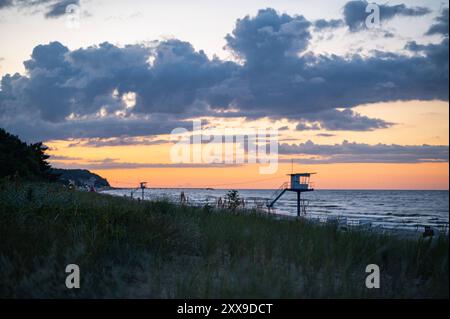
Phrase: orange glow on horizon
(416, 123)
(329, 176)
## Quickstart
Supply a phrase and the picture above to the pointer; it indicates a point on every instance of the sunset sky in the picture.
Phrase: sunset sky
(104, 83)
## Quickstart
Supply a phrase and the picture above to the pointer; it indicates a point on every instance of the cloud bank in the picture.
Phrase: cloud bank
(440, 26)
(355, 13)
(51, 8)
(364, 153)
(107, 91)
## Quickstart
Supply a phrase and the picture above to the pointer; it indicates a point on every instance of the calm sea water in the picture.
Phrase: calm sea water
(409, 210)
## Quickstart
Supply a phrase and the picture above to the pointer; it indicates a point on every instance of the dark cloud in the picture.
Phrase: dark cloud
(355, 13)
(179, 80)
(348, 120)
(60, 8)
(268, 38)
(364, 153)
(441, 24)
(325, 135)
(52, 8)
(64, 158)
(86, 92)
(119, 141)
(307, 86)
(33, 130)
(328, 24)
(388, 34)
(435, 52)
(307, 126)
(112, 163)
(301, 87)
(5, 3)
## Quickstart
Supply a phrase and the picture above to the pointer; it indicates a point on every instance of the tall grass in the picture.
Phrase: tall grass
(160, 250)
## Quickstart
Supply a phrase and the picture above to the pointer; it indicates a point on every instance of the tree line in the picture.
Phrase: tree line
(21, 160)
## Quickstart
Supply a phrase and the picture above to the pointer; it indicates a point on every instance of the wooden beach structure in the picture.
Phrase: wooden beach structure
(299, 183)
(142, 187)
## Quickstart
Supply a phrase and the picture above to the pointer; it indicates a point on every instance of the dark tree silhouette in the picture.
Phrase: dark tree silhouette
(19, 159)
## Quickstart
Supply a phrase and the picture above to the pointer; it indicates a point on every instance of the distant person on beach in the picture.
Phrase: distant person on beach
(183, 198)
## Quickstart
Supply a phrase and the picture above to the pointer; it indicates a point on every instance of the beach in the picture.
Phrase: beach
(399, 211)
(155, 249)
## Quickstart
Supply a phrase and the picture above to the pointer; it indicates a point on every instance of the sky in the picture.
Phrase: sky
(105, 83)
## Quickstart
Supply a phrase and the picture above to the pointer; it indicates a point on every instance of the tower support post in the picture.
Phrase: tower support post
(298, 203)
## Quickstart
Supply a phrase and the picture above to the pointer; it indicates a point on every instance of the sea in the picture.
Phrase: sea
(389, 209)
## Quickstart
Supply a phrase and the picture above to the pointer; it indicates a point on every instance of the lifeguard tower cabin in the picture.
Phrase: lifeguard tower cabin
(300, 182)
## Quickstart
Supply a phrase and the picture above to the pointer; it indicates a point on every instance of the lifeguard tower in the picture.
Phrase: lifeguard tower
(300, 182)
(142, 187)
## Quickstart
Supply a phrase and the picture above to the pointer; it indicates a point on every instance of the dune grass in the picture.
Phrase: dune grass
(159, 250)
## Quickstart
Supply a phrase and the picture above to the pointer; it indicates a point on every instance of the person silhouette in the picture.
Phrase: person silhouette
(182, 198)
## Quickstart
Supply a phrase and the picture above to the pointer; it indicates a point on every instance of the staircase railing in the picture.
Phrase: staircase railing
(277, 194)
(279, 190)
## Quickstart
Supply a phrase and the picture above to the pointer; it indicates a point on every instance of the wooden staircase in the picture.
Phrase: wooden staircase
(277, 194)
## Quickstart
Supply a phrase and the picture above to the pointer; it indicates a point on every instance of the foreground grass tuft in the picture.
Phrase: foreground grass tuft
(160, 250)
